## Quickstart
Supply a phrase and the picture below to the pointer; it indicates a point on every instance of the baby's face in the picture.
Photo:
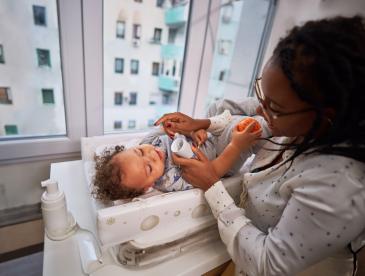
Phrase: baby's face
(141, 166)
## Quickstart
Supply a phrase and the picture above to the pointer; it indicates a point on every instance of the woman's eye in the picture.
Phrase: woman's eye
(149, 168)
(141, 152)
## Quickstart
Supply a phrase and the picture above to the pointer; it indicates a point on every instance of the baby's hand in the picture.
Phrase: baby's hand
(244, 139)
(199, 136)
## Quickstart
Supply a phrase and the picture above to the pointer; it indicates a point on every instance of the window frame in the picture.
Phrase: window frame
(34, 7)
(2, 55)
(44, 148)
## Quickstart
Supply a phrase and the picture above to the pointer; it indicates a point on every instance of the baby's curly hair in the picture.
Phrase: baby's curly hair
(107, 180)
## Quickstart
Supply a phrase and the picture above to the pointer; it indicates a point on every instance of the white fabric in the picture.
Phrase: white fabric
(219, 122)
(302, 217)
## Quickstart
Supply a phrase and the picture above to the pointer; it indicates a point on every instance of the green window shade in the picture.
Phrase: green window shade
(11, 129)
(48, 96)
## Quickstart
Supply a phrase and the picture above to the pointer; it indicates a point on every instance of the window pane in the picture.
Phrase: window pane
(48, 97)
(2, 57)
(39, 15)
(147, 64)
(233, 69)
(120, 29)
(31, 90)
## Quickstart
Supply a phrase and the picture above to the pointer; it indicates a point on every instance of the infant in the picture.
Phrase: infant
(126, 173)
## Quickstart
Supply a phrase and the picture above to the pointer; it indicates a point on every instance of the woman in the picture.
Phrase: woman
(303, 203)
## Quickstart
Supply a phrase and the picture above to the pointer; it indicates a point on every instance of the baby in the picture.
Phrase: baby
(127, 173)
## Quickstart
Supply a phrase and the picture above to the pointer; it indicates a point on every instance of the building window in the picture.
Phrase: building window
(120, 29)
(132, 124)
(159, 3)
(119, 65)
(134, 66)
(48, 96)
(136, 31)
(5, 95)
(2, 57)
(11, 130)
(118, 98)
(172, 35)
(133, 98)
(118, 125)
(155, 68)
(157, 35)
(151, 123)
(39, 15)
(222, 75)
(44, 58)
(166, 99)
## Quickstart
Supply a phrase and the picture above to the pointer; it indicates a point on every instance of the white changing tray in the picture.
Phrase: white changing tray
(151, 221)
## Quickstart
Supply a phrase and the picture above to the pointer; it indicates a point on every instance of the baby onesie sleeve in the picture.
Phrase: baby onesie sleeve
(219, 122)
(153, 137)
(312, 226)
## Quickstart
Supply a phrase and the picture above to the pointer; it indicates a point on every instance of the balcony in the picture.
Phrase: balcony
(176, 16)
(168, 84)
(171, 51)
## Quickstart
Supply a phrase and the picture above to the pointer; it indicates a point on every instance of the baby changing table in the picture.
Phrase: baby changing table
(63, 257)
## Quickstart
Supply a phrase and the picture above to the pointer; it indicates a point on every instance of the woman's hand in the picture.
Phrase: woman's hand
(181, 123)
(242, 140)
(199, 137)
(198, 172)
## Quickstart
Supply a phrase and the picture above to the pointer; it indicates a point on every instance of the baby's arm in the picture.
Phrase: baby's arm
(241, 141)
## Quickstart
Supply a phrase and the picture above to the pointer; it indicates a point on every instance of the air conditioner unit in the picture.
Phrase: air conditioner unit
(136, 42)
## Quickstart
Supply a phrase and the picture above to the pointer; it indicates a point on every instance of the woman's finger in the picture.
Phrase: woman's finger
(165, 117)
(201, 156)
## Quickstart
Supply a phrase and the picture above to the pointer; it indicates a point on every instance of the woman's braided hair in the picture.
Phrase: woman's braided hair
(324, 62)
(107, 179)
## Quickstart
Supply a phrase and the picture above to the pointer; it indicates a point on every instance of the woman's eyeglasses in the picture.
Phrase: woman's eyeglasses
(265, 104)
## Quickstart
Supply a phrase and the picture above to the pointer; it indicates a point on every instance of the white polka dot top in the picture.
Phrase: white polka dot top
(296, 220)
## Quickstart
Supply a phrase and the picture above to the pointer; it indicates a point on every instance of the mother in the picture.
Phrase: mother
(304, 205)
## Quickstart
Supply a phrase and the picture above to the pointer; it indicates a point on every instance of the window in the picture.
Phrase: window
(2, 57)
(42, 131)
(131, 124)
(39, 15)
(119, 65)
(48, 96)
(142, 60)
(151, 122)
(134, 66)
(166, 99)
(120, 29)
(157, 35)
(133, 98)
(155, 68)
(243, 23)
(11, 130)
(118, 125)
(136, 31)
(5, 95)
(118, 98)
(40, 128)
(172, 35)
(159, 3)
(44, 58)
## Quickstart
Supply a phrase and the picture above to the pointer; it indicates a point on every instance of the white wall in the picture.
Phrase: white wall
(293, 12)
